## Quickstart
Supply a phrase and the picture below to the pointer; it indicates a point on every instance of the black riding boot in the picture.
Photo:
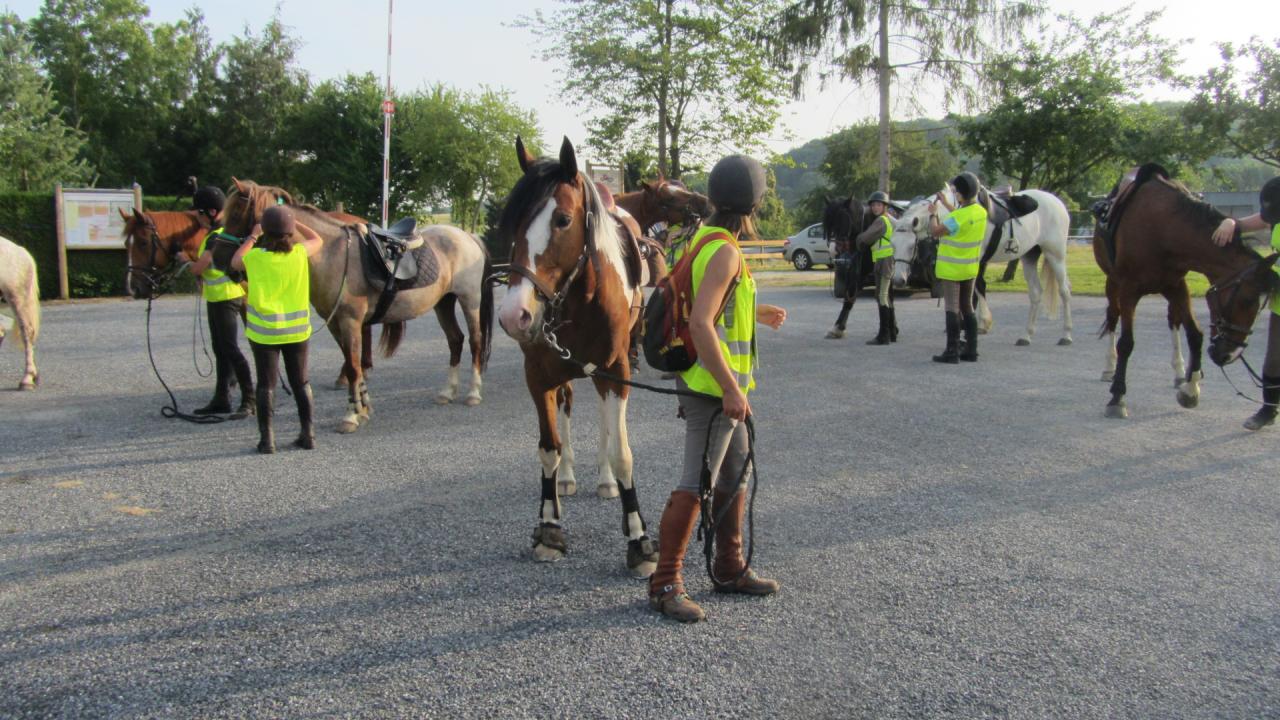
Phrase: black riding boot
(1266, 414)
(952, 354)
(882, 337)
(970, 352)
(266, 436)
(893, 325)
(306, 412)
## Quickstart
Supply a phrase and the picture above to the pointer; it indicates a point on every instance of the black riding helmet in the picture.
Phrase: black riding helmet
(879, 196)
(208, 199)
(736, 184)
(278, 220)
(966, 184)
(1269, 201)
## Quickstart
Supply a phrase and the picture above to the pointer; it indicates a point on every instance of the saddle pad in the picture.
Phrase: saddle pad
(377, 274)
(428, 268)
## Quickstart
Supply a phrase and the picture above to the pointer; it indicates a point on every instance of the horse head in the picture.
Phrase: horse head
(246, 202)
(675, 203)
(148, 254)
(1234, 305)
(558, 230)
(842, 219)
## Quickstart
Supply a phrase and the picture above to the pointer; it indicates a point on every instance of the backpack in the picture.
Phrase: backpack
(668, 344)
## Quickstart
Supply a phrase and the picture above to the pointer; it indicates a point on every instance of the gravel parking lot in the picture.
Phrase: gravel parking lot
(959, 541)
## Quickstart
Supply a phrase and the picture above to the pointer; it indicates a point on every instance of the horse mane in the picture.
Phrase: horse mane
(167, 222)
(263, 196)
(1190, 207)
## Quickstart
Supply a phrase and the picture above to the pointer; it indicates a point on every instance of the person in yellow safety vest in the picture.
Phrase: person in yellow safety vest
(1269, 214)
(278, 320)
(960, 236)
(879, 235)
(224, 303)
(722, 324)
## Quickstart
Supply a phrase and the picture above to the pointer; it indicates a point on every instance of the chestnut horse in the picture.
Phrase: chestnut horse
(569, 295)
(340, 292)
(1159, 233)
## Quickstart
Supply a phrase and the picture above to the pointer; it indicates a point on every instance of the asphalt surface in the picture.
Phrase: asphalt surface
(953, 541)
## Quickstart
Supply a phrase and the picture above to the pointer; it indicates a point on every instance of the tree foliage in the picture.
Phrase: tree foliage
(1065, 109)
(1239, 101)
(683, 76)
(37, 149)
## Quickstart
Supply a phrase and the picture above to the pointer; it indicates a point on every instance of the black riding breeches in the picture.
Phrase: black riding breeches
(1271, 361)
(266, 359)
(224, 335)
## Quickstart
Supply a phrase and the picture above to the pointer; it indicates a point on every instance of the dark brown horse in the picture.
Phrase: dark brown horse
(569, 296)
(340, 291)
(1160, 232)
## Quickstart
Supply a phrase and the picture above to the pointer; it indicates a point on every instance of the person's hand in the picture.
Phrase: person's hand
(933, 207)
(182, 256)
(1226, 230)
(771, 315)
(735, 404)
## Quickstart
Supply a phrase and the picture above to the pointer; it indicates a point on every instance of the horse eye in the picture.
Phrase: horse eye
(563, 221)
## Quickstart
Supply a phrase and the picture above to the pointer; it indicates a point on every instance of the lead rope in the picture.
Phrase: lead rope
(158, 283)
(1258, 381)
(198, 327)
(709, 520)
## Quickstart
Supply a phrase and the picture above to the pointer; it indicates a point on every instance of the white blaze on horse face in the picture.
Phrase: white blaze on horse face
(521, 307)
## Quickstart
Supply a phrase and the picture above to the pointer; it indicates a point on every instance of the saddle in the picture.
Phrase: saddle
(396, 258)
(1003, 206)
(633, 254)
(1108, 211)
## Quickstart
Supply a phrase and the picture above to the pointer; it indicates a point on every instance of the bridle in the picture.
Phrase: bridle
(667, 204)
(150, 273)
(1218, 324)
(554, 299)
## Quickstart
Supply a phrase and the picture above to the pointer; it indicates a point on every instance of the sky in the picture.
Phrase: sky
(473, 44)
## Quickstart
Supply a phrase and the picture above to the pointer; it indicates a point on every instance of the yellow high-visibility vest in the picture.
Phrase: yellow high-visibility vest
(215, 285)
(883, 248)
(279, 309)
(735, 327)
(959, 254)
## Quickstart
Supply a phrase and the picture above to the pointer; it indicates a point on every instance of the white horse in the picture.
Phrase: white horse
(1045, 228)
(18, 288)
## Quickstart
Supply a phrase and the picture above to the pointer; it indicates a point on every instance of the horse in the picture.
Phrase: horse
(152, 242)
(21, 290)
(1040, 233)
(341, 293)
(1158, 232)
(665, 201)
(570, 289)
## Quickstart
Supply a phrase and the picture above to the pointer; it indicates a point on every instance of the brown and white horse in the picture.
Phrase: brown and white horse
(568, 301)
(340, 292)
(20, 289)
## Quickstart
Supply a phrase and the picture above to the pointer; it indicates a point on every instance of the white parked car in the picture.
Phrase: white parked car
(807, 248)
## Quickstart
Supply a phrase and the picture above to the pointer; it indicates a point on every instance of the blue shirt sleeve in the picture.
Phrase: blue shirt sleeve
(951, 225)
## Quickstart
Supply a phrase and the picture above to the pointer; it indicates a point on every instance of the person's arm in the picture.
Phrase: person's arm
(871, 234)
(237, 260)
(310, 239)
(720, 272)
(942, 198)
(202, 263)
(1227, 228)
(939, 228)
(770, 315)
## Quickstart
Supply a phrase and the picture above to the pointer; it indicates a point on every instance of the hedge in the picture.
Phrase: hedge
(28, 220)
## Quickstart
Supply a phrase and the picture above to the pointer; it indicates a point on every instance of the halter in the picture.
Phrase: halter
(554, 299)
(1217, 316)
(153, 275)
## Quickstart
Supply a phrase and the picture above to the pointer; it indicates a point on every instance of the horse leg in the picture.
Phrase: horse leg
(642, 551)
(1056, 274)
(366, 357)
(568, 483)
(1034, 294)
(1117, 408)
(606, 480)
(1109, 330)
(985, 320)
(475, 332)
(1180, 303)
(1175, 325)
(24, 315)
(453, 334)
(549, 543)
(347, 332)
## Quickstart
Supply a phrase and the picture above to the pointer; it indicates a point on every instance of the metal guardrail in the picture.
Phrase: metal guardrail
(762, 249)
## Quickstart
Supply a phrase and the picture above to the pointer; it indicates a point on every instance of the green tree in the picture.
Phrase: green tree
(685, 76)
(338, 133)
(1239, 101)
(37, 149)
(912, 40)
(258, 95)
(919, 164)
(1065, 110)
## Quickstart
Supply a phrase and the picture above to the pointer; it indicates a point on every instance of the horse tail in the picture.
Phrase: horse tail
(392, 334)
(486, 310)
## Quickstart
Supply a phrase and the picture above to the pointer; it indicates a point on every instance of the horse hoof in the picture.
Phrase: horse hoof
(643, 570)
(1118, 412)
(549, 543)
(642, 557)
(567, 487)
(472, 400)
(1022, 342)
(26, 385)
(1188, 401)
(607, 490)
(1108, 375)
(339, 384)
(349, 424)
(443, 399)
(544, 554)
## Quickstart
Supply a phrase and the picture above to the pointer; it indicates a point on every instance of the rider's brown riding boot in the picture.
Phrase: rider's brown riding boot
(728, 509)
(666, 587)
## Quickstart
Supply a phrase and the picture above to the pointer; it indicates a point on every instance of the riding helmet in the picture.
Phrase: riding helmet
(736, 184)
(879, 196)
(1269, 201)
(277, 220)
(966, 184)
(209, 198)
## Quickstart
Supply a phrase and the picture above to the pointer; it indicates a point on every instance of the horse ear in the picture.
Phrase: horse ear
(123, 215)
(240, 188)
(137, 213)
(568, 160)
(525, 158)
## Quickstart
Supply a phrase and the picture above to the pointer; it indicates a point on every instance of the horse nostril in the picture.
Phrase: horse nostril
(525, 320)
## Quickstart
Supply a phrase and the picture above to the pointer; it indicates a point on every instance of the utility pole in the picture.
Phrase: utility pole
(388, 109)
